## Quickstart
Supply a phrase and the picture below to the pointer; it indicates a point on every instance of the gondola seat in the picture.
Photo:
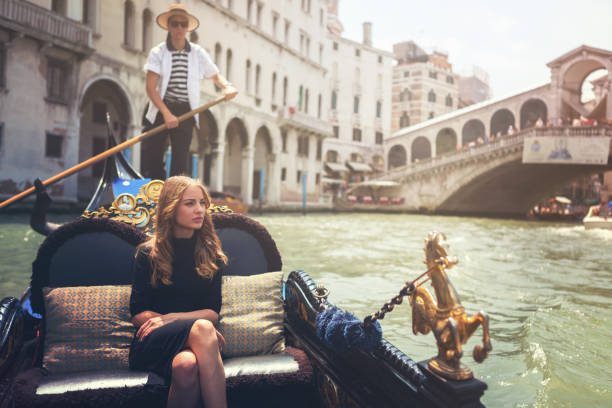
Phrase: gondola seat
(97, 252)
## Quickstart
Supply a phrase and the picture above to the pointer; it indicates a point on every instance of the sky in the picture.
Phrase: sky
(511, 40)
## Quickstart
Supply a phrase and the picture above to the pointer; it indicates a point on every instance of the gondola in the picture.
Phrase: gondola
(326, 372)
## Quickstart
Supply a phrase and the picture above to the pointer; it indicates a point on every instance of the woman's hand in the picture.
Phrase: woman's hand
(221, 340)
(229, 92)
(170, 120)
(153, 324)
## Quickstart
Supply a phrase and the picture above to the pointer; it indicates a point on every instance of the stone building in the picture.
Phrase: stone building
(65, 63)
(473, 88)
(424, 85)
(359, 107)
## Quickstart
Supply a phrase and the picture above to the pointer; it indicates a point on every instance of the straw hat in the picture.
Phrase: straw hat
(177, 10)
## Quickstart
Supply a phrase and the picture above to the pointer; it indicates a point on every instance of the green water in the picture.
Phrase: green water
(546, 287)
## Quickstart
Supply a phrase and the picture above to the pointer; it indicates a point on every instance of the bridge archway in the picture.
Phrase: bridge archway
(472, 130)
(501, 120)
(397, 156)
(446, 141)
(421, 149)
(531, 110)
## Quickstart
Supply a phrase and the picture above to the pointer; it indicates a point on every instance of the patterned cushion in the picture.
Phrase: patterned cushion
(251, 318)
(87, 328)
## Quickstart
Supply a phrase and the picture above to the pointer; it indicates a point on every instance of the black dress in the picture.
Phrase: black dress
(188, 292)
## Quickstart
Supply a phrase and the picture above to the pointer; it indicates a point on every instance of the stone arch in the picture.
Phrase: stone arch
(501, 120)
(207, 140)
(236, 139)
(98, 97)
(571, 80)
(446, 141)
(397, 156)
(262, 151)
(420, 149)
(531, 110)
(472, 130)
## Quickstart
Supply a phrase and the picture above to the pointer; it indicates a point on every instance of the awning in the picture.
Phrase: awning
(332, 180)
(335, 167)
(361, 167)
(563, 200)
(376, 183)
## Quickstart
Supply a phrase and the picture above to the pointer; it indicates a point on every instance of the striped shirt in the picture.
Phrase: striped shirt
(177, 85)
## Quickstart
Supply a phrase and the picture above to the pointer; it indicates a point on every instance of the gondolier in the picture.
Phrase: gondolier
(174, 69)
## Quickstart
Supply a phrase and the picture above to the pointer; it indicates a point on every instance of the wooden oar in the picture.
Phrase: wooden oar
(107, 153)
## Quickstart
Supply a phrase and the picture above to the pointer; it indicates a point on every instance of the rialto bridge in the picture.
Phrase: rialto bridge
(451, 164)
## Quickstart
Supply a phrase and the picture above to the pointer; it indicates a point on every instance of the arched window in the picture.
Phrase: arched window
(406, 95)
(147, 29)
(285, 89)
(257, 79)
(248, 77)
(128, 24)
(356, 104)
(449, 100)
(273, 87)
(431, 96)
(306, 98)
(378, 109)
(404, 120)
(319, 103)
(334, 99)
(228, 64)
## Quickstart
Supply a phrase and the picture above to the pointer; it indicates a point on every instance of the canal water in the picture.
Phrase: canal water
(546, 287)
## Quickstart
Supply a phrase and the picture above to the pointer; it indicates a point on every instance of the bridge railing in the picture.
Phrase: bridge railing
(488, 147)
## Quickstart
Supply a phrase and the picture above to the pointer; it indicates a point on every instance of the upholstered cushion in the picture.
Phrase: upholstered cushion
(251, 318)
(87, 328)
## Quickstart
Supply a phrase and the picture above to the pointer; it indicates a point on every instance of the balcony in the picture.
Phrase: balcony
(45, 25)
(289, 117)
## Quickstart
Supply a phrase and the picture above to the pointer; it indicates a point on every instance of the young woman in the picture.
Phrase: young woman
(176, 298)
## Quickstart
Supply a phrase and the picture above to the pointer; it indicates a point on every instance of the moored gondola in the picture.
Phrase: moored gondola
(314, 371)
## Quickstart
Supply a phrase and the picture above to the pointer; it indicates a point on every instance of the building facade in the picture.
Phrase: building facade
(359, 105)
(65, 63)
(474, 88)
(424, 85)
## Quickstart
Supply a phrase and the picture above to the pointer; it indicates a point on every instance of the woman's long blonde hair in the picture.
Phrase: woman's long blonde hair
(208, 246)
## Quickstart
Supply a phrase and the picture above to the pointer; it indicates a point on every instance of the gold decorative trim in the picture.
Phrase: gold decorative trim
(139, 211)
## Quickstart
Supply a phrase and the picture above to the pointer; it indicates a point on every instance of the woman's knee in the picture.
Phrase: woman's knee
(185, 369)
(203, 333)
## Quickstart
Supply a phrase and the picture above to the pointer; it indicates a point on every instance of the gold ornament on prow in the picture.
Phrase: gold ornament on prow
(445, 315)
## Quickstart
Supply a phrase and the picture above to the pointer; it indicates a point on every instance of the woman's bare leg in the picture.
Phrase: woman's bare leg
(204, 344)
(185, 386)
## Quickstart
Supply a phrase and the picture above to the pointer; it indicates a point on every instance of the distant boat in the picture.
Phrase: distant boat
(231, 201)
(592, 220)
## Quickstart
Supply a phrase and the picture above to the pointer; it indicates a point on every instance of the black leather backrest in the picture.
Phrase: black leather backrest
(90, 252)
(90, 259)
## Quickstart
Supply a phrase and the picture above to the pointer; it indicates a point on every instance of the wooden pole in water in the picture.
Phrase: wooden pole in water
(107, 153)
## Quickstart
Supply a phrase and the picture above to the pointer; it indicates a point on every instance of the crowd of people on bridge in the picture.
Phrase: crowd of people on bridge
(579, 121)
